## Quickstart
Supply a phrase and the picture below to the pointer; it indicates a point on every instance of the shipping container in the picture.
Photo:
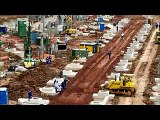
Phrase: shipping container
(82, 52)
(92, 47)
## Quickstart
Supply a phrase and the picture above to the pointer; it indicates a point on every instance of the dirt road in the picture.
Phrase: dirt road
(88, 80)
(141, 74)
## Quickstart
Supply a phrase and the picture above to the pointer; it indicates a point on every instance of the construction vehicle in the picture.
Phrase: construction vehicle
(28, 61)
(68, 29)
(157, 37)
(123, 86)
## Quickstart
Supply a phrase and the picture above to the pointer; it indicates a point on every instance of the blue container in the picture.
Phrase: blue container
(100, 19)
(3, 96)
(3, 29)
(102, 26)
(33, 37)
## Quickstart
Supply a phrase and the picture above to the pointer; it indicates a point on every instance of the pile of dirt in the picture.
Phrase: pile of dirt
(33, 79)
(10, 55)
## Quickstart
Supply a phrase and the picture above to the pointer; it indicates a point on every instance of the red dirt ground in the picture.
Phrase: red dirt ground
(89, 78)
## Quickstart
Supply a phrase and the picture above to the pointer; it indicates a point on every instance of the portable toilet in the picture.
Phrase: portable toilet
(101, 26)
(3, 96)
(3, 29)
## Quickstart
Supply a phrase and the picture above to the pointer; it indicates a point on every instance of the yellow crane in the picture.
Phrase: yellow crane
(68, 29)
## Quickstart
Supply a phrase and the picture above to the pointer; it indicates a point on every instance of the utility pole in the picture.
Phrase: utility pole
(42, 37)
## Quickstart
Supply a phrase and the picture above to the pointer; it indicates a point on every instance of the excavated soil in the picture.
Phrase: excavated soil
(33, 79)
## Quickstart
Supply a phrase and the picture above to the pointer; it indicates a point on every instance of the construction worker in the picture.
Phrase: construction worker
(66, 40)
(156, 25)
(47, 60)
(58, 87)
(122, 35)
(50, 59)
(29, 95)
(109, 54)
(61, 74)
(64, 83)
(117, 28)
(135, 38)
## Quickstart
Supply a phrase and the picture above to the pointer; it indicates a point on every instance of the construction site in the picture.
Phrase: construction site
(80, 60)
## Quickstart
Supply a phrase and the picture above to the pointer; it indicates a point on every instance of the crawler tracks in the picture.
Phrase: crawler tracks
(88, 79)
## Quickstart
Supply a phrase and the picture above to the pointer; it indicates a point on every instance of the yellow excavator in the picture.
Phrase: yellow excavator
(67, 29)
(124, 86)
(157, 37)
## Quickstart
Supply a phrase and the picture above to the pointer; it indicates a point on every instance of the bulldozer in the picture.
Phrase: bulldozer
(124, 86)
(157, 37)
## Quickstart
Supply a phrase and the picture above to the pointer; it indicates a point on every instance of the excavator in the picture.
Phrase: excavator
(124, 86)
(29, 62)
(68, 29)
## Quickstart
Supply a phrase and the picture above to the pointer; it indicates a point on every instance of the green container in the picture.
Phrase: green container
(83, 52)
(21, 28)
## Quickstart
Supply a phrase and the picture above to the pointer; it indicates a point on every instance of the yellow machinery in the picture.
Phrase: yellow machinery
(68, 29)
(124, 86)
(157, 37)
(92, 47)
